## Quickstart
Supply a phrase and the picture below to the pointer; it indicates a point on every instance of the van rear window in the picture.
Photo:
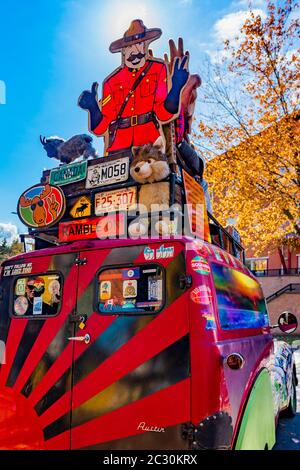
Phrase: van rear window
(36, 296)
(241, 303)
(137, 289)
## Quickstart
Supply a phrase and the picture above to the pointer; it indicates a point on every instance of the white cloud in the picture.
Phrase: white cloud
(245, 3)
(229, 26)
(8, 231)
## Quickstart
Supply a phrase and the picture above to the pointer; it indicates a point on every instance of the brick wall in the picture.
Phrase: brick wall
(272, 284)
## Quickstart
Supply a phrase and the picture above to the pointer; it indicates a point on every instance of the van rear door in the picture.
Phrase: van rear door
(131, 385)
(37, 299)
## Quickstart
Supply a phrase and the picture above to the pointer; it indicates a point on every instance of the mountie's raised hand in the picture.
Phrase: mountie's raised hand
(180, 77)
(178, 68)
(88, 100)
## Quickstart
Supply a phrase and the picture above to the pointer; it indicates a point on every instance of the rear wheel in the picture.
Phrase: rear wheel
(290, 411)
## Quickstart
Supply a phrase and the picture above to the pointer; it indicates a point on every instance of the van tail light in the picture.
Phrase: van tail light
(235, 361)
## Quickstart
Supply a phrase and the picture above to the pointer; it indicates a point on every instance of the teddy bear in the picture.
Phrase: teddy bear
(149, 167)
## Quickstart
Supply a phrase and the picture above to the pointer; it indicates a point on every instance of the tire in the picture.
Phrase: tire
(290, 411)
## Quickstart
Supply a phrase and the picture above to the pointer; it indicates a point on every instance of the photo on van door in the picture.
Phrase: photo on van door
(241, 303)
(36, 296)
(137, 289)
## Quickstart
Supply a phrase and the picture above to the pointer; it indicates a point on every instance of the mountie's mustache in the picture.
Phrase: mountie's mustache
(132, 57)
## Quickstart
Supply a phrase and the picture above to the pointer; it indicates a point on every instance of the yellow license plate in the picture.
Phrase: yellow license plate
(117, 200)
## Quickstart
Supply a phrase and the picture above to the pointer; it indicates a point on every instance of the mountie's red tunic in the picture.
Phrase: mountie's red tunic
(149, 96)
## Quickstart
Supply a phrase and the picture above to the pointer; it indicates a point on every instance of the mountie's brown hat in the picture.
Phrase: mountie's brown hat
(136, 33)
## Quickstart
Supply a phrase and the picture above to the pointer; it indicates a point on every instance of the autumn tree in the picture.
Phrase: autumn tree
(249, 127)
(8, 250)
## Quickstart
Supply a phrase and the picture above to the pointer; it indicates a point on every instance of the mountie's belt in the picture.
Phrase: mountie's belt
(131, 121)
(136, 120)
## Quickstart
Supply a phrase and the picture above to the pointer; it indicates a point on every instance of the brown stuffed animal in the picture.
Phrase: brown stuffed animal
(150, 165)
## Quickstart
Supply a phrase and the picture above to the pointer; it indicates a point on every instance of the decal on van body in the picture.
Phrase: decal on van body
(201, 295)
(200, 265)
(17, 269)
(159, 253)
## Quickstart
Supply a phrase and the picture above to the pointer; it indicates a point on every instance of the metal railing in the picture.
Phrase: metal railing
(276, 272)
(291, 288)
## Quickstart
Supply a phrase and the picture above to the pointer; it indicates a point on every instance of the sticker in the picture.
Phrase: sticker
(200, 265)
(39, 286)
(81, 208)
(148, 271)
(41, 206)
(210, 321)
(133, 273)
(226, 257)
(20, 306)
(110, 172)
(117, 200)
(160, 253)
(109, 304)
(20, 287)
(148, 304)
(154, 289)
(234, 261)
(17, 269)
(149, 253)
(37, 306)
(165, 252)
(201, 248)
(201, 295)
(217, 254)
(129, 289)
(67, 174)
(105, 290)
(128, 304)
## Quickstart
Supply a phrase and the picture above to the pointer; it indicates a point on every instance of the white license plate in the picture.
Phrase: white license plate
(120, 199)
(105, 173)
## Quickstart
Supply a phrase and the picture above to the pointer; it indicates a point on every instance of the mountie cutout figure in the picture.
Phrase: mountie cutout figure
(138, 96)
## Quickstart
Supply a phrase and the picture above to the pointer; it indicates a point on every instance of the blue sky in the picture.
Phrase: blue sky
(53, 49)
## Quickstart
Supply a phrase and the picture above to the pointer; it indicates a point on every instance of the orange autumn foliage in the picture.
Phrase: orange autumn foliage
(255, 128)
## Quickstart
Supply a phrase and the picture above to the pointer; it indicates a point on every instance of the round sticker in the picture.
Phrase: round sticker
(200, 265)
(201, 295)
(130, 273)
(41, 206)
(20, 305)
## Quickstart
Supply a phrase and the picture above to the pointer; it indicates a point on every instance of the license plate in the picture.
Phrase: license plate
(117, 200)
(105, 173)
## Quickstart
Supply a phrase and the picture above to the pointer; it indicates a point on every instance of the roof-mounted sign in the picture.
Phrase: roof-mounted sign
(197, 213)
(41, 206)
(109, 226)
(81, 208)
(67, 174)
(108, 172)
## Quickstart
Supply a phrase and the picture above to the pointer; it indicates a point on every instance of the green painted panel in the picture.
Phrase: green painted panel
(258, 423)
